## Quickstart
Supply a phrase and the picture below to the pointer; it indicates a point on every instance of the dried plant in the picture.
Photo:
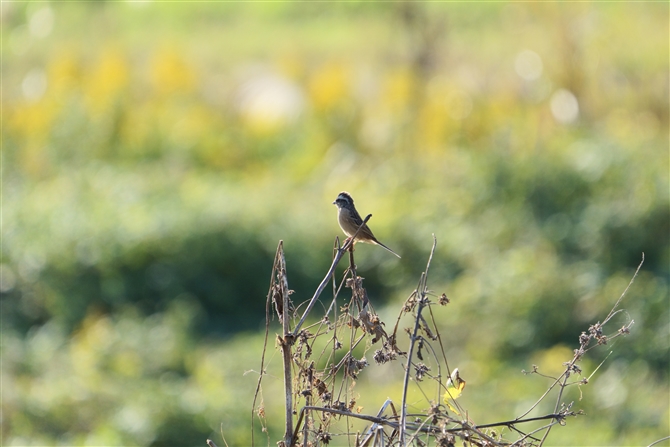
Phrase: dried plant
(321, 369)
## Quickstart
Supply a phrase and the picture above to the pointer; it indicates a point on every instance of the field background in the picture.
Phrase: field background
(154, 153)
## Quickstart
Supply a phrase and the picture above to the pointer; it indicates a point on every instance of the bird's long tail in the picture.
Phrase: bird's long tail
(384, 246)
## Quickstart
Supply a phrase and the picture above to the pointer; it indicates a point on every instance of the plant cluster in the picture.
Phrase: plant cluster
(321, 368)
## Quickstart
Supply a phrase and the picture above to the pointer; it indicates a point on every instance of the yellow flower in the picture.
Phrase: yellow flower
(398, 89)
(106, 81)
(328, 86)
(64, 73)
(171, 74)
(455, 386)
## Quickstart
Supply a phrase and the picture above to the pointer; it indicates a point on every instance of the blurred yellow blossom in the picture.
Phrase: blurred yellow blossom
(106, 81)
(328, 85)
(170, 73)
(136, 127)
(30, 124)
(64, 73)
(398, 89)
(32, 121)
(433, 124)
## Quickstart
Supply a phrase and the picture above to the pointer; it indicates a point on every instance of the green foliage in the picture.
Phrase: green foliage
(125, 380)
(154, 155)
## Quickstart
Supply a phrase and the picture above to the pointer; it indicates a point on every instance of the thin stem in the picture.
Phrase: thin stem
(521, 421)
(324, 282)
(630, 283)
(308, 402)
(551, 387)
(286, 344)
(660, 440)
(405, 384)
(422, 302)
(564, 380)
(268, 301)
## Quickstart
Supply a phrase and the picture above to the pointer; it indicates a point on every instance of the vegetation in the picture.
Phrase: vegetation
(154, 154)
(323, 362)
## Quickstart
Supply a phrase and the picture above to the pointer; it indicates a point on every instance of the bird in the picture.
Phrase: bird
(350, 220)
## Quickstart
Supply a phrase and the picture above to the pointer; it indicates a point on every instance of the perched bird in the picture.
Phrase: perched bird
(350, 220)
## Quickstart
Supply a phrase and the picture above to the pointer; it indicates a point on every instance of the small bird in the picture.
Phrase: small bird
(350, 220)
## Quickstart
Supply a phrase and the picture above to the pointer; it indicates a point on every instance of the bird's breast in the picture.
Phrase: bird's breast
(344, 219)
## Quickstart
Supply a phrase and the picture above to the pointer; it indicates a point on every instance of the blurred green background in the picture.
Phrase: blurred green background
(154, 154)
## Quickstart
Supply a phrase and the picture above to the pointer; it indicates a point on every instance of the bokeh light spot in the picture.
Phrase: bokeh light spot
(34, 85)
(564, 106)
(41, 22)
(528, 65)
(267, 101)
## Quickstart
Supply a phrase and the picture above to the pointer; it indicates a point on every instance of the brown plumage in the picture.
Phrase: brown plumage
(350, 220)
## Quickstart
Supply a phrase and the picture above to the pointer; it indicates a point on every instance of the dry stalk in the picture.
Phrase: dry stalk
(326, 382)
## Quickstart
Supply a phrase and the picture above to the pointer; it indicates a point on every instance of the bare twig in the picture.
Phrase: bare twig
(595, 331)
(659, 441)
(336, 260)
(285, 344)
(630, 283)
(422, 291)
(268, 302)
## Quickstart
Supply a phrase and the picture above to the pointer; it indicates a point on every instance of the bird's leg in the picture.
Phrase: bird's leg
(352, 265)
(351, 247)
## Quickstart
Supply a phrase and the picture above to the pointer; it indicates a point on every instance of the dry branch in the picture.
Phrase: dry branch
(326, 382)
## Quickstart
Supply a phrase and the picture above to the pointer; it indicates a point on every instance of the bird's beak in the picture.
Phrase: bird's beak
(335, 202)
